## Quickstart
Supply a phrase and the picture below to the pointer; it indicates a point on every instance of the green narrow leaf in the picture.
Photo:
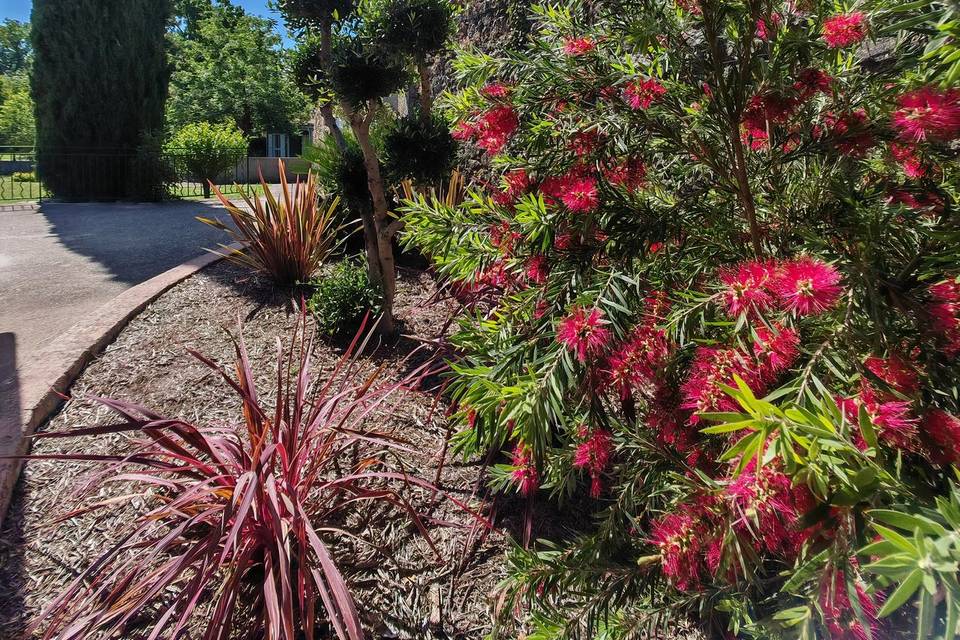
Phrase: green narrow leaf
(902, 593)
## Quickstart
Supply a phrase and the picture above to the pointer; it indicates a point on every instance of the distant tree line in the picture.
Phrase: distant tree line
(113, 80)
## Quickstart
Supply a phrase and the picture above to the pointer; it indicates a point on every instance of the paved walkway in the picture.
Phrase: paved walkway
(60, 261)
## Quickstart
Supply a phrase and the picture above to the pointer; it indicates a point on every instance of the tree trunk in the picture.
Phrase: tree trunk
(746, 195)
(426, 90)
(378, 233)
(326, 109)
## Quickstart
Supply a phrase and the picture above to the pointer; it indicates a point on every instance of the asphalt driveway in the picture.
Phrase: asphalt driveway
(59, 261)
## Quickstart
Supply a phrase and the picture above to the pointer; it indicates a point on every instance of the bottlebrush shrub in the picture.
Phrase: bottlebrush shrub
(715, 289)
(238, 539)
(286, 237)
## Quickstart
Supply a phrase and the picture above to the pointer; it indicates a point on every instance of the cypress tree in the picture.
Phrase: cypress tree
(99, 84)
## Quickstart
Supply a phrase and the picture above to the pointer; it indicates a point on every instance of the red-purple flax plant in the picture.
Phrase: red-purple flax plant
(239, 532)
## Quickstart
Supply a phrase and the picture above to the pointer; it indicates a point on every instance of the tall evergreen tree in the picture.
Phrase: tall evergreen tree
(100, 83)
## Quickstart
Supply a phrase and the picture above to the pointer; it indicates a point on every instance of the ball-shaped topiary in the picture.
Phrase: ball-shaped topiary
(313, 13)
(420, 149)
(417, 27)
(307, 67)
(363, 70)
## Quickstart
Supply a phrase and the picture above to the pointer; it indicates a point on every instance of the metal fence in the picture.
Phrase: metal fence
(26, 177)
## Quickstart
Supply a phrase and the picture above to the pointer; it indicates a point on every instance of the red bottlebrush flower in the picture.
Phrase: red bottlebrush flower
(580, 194)
(463, 131)
(909, 159)
(746, 287)
(635, 364)
(656, 306)
(563, 241)
(944, 312)
(941, 431)
(850, 133)
(928, 114)
(712, 368)
(630, 174)
(503, 238)
(927, 201)
(690, 6)
(895, 423)
(472, 418)
(766, 503)
(495, 127)
(537, 269)
(578, 46)
(525, 474)
(807, 286)
(895, 372)
(584, 143)
(542, 308)
(666, 420)
(812, 81)
(643, 92)
(496, 91)
(762, 111)
(517, 181)
(841, 620)
(843, 30)
(683, 538)
(593, 454)
(584, 332)
(947, 291)
(776, 351)
(766, 29)
(677, 535)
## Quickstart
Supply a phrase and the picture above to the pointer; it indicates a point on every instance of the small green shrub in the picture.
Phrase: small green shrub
(341, 298)
(207, 150)
(24, 176)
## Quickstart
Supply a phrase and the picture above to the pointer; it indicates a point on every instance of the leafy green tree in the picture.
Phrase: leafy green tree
(230, 65)
(207, 150)
(15, 49)
(16, 112)
(100, 82)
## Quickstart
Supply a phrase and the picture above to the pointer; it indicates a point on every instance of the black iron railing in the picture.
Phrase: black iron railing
(28, 177)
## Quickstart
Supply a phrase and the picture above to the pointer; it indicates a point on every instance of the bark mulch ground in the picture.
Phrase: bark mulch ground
(404, 593)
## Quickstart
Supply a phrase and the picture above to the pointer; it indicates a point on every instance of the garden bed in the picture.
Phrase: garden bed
(405, 592)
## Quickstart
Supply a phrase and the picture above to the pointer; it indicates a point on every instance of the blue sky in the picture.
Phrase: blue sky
(20, 9)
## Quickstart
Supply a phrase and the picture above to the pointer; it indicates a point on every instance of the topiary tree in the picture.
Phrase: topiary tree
(315, 20)
(419, 149)
(99, 83)
(418, 29)
(366, 63)
(207, 150)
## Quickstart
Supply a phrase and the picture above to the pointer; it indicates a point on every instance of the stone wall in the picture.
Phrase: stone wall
(487, 26)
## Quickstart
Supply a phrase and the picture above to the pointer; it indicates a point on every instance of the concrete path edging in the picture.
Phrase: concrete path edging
(44, 382)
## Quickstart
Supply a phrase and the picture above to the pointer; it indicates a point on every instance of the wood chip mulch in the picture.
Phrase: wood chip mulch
(403, 593)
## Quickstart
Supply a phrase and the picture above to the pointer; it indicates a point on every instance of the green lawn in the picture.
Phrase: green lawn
(13, 192)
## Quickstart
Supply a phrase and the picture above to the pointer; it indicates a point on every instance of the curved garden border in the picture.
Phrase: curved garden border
(44, 381)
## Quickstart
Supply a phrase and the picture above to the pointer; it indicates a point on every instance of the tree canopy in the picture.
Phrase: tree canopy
(230, 65)
(15, 49)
